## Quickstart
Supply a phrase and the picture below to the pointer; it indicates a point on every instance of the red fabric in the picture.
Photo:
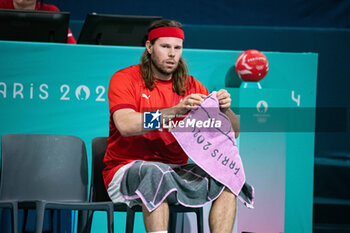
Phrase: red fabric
(8, 4)
(166, 32)
(127, 90)
(70, 37)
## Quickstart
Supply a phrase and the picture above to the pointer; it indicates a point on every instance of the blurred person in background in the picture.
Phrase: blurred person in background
(34, 5)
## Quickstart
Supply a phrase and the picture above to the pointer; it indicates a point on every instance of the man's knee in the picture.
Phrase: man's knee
(228, 195)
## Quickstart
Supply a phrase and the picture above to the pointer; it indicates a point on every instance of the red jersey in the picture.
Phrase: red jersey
(127, 90)
(8, 4)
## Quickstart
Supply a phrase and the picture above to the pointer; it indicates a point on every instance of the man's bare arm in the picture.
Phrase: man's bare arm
(224, 99)
(234, 121)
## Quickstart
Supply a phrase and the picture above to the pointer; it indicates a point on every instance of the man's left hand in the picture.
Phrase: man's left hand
(224, 100)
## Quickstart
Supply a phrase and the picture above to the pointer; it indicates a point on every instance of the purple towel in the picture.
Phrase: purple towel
(207, 137)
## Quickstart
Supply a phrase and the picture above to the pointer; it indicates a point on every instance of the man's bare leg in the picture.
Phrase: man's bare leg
(223, 213)
(158, 219)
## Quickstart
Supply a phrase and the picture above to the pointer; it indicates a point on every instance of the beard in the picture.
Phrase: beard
(162, 69)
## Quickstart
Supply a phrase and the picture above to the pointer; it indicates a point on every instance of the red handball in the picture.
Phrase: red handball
(252, 66)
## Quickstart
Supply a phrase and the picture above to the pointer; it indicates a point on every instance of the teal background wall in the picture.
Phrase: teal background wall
(65, 92)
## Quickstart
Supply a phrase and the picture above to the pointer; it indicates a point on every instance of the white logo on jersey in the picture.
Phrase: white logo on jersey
(145, 96)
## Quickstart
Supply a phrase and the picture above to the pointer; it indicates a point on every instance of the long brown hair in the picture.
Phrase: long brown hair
(179, 75)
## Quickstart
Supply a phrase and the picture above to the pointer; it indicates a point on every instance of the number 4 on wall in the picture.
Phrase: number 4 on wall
(297, 100)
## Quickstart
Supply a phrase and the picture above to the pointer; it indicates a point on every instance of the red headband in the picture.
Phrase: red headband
(166, 32)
